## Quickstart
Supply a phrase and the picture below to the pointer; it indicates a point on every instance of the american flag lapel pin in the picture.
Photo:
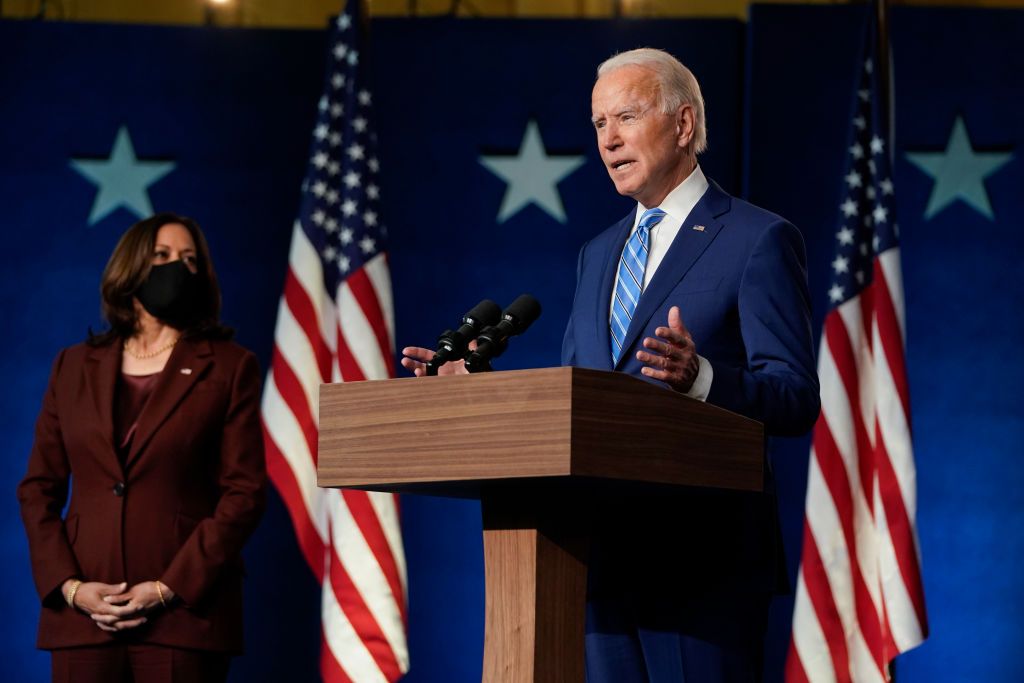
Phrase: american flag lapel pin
(699, 228)
(186, 371)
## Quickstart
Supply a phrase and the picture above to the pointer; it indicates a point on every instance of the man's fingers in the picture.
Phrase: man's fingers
(657, 361)
(656, 374)
(418, 353)
(666, 349)
(673, 352)
(675, 321)
(417, 368)
(416, 359)
(676, 330)
(659, 347)
(410, 364)
(676, 337)
(645, 357)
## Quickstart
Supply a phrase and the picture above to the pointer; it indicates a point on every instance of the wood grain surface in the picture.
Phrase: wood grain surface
(537, 447)
(426, 434)
(536, 579)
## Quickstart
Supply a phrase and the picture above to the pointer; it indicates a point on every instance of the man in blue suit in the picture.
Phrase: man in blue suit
(706, 294)
(679, 586)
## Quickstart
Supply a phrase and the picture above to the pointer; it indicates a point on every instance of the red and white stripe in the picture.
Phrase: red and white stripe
(350, 539)
(859, 599)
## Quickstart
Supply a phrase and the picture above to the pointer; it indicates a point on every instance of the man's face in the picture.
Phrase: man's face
(642, 147)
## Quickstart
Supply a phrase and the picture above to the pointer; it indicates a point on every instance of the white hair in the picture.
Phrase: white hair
(677, 85)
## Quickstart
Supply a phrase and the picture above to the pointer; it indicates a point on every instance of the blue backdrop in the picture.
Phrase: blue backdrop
(963, 302)
(226, 116)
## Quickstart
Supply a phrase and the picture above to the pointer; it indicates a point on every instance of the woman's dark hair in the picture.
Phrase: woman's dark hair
(129, 267)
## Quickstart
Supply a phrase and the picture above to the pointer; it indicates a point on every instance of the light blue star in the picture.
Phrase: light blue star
(122, 179)
(959, 172)
(532, 176)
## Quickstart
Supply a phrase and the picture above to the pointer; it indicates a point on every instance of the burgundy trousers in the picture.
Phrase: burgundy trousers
(138, 663)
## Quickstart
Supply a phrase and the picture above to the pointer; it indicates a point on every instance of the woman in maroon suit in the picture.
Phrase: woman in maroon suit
(154, 428)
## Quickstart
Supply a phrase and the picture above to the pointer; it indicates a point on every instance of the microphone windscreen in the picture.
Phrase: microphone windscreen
(524, 310)
(484, 314)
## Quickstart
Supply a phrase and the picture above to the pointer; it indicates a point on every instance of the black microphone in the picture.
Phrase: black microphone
(451, 345)
(492, 341)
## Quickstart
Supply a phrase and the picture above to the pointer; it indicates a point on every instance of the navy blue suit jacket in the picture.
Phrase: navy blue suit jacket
(740, 282)
(741, 285)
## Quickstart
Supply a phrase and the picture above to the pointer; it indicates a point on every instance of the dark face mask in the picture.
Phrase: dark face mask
(170, 293)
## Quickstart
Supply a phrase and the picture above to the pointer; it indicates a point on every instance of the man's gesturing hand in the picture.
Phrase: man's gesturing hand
(417, 357)
(672, 357)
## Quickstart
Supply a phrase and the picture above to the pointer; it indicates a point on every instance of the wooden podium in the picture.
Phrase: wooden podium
(537, 447)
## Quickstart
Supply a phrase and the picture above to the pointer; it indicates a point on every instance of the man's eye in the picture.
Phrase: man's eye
(598, 124)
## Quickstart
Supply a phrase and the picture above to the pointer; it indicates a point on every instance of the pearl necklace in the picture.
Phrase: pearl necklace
(150, 354)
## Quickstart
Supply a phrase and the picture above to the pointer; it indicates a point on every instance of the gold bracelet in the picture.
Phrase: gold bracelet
(70, 597)
(160, 592)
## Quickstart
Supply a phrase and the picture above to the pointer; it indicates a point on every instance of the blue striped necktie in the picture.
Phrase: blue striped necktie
(630, 280)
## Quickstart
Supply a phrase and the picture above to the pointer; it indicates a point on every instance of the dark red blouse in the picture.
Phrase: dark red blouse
(129, 399)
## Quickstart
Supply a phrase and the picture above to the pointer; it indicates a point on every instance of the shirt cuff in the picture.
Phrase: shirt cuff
(702, 384)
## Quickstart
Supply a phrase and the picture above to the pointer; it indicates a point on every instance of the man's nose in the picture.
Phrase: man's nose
(608, 137)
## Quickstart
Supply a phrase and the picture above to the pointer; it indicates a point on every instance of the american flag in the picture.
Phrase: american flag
(335, 323)
(859, 599)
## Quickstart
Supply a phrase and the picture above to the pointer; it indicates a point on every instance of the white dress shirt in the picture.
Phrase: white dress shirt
(677, 206)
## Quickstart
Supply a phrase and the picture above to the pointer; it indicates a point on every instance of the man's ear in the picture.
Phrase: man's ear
(685, 125)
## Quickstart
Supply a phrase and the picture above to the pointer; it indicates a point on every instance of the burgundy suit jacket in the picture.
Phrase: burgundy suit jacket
(189, 494)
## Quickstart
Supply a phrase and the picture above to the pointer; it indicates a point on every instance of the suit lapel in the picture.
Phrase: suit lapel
(188, 363)
(103, 363)
(686, 248)
(604, 296)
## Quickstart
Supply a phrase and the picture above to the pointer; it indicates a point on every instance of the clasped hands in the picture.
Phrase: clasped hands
(670, 356)
(115, 607)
